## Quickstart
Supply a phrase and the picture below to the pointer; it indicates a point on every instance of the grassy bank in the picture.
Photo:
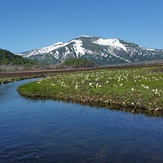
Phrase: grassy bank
(13, 79)
(8, 80)
(132, 89)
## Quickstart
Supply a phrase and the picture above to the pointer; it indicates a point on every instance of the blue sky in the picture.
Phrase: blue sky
(31, 24)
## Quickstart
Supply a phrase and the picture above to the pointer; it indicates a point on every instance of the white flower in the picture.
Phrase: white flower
(144, 86)
(132, 89)
(90, 84)
(121, 85)
(155, 90)
(96, 85)
(76, 86)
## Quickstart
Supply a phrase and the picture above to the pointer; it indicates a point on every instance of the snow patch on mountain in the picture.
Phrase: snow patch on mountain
(110, 42)
(67, 51)
(150, 49)
(84, 36)
(113, 54)
(46, 49)
(78, 47)
(56, 54)
(51, 48)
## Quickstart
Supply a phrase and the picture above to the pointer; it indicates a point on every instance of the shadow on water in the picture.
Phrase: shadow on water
(55, 131)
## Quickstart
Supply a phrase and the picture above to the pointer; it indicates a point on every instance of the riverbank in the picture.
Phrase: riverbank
(8, 80)
(14, 79)
(137, 90)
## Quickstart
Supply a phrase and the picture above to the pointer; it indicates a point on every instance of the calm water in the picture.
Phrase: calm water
(51, 131)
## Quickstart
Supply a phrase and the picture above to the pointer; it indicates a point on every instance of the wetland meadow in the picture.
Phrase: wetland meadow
(137, 90)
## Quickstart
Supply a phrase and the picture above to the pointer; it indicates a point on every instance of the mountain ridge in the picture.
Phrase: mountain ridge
(97, 49)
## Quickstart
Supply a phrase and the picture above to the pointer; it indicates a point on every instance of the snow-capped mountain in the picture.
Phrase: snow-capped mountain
(97, 49)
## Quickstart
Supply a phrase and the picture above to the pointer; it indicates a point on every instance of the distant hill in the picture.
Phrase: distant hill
(77, 63)
(8, 58)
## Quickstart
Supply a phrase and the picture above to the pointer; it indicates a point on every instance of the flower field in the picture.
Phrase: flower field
(137, 90)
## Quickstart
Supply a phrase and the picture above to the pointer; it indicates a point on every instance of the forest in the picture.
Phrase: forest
(8, 58)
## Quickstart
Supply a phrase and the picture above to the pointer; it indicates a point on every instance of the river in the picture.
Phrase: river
(53, 131)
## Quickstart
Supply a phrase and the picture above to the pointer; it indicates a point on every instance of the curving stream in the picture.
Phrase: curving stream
(51, 131)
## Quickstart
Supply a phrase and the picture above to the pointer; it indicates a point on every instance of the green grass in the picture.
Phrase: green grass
(7, 80)
(13, 79)
(134, 90)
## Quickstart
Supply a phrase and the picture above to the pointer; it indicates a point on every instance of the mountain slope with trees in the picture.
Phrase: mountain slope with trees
(77, 63)
(8, 58)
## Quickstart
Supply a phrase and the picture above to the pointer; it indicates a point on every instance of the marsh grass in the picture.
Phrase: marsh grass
(134, 90)
(8, 80)
(13, 79)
